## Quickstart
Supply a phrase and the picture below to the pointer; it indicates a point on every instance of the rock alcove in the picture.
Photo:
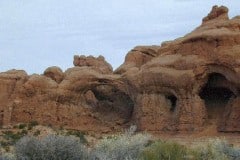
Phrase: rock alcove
(217, 93)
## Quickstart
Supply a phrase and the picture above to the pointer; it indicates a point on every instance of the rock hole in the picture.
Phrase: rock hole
(173, 102)
(216, 94)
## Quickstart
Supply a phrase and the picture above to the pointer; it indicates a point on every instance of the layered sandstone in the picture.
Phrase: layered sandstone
(98, 63)
(196, 76)
(184, 85)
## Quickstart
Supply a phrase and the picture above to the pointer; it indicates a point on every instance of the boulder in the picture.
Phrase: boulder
(55, 73)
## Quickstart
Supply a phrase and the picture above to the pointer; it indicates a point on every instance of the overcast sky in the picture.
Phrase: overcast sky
(36, 34)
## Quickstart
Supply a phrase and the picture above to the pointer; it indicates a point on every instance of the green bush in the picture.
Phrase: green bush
(162, 150)
(7, 134)
(218, 149)
(51, 147)
(22, 126)
(37, 133)
(24, 132)
(4, 143)
(33, 123)
(29, 127)
(213, 150)
(5, 146)
(11, 138)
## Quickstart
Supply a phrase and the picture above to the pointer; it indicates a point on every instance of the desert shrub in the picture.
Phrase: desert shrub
(10, 138)
(61, 128)
(7, 156)
(24, 132)
(22, 126)
(213, 150)
(165, 151)
(79, 134)
(32, 124)
(120, 147)
(218, 149)
(51, 147)
(7, 134)
(37, 133)
(28, 148)
(231, 152)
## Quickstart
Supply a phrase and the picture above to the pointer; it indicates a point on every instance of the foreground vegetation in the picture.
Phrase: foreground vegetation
(127, 146)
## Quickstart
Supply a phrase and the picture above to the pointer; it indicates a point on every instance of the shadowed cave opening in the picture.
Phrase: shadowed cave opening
(113, 103)
(173, 102)
(216, 94)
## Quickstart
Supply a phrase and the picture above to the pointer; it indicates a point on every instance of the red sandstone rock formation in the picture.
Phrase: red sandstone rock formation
(98, 63)
(55, 73)
(193, 81)
(183, 85)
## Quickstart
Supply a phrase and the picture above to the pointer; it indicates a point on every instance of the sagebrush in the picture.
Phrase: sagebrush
(51, 147)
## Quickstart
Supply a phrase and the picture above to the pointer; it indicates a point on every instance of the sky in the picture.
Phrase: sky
(36, 34)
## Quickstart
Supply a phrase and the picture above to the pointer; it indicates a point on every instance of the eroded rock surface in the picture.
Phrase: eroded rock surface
(98, 63)
(185, 85)
(55, 73)
(197, 77)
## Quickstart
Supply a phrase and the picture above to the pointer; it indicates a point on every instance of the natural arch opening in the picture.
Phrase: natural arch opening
(216, 94)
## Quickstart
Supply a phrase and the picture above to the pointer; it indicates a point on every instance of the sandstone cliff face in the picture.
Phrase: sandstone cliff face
(184, 85)
(196, 77)
(84, 99)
